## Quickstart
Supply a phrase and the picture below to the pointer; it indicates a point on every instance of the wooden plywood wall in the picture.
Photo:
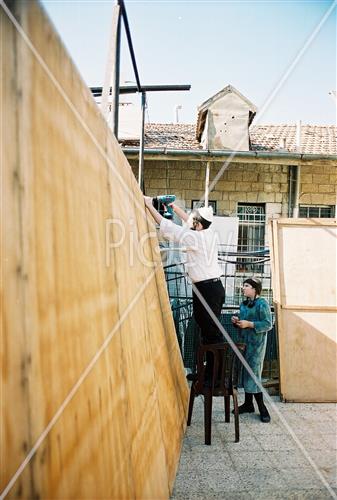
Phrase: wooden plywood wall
(92, 379)
(304, 286)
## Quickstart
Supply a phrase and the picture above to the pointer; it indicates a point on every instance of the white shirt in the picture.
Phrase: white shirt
(201, 249)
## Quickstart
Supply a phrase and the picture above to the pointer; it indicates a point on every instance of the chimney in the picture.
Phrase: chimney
(298, 135)
(283, 143)
(176, 113)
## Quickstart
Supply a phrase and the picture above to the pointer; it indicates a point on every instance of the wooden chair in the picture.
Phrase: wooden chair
(223, 382)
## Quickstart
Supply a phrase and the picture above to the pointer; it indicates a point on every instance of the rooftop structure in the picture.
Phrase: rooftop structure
(315, 139)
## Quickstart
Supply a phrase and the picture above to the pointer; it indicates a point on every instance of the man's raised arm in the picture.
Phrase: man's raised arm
(180, 212)
(155, 214)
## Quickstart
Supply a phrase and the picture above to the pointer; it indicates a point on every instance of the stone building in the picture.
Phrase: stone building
(282, 170)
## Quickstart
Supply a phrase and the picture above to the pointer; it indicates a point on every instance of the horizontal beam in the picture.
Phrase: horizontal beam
(309, 308)
(313, 221)
(133, 89)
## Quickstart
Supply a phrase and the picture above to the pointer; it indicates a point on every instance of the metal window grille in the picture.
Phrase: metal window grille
(198, 204)
(318, 211)
(252, 220)
(187, 330)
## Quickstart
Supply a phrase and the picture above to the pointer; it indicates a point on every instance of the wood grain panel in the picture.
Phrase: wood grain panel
(87, 326)
(303, 254)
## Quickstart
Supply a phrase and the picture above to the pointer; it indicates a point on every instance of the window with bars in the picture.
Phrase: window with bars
(198, 204)
(252, 219)
(319, 211)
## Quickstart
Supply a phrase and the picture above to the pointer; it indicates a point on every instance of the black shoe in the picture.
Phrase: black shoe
(264, 415)
(246, 408)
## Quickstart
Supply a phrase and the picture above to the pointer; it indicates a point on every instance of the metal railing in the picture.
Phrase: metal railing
(180, 294)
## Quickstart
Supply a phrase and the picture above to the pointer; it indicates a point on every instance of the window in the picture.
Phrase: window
(252, 218)
(312, 211)
(197, 204)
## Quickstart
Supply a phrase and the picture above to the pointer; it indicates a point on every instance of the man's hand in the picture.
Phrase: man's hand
(148, 201)
(156, 215)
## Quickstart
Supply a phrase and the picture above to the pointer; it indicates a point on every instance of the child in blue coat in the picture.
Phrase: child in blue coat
(254, 322)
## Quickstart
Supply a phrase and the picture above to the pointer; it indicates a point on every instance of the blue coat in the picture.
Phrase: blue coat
(255, 339)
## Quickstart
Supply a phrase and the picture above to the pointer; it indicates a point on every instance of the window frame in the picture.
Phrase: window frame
(257, 225)
(307, 207)
(211, 203)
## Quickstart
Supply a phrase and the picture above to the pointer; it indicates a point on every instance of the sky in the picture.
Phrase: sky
(279, 54)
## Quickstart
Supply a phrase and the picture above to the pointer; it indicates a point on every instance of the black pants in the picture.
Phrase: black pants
(214, 294)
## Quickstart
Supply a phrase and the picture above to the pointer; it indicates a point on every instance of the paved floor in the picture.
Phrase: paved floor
(266, 463)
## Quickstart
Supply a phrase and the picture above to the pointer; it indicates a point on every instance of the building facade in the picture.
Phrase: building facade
(274, 170)
(253, 187)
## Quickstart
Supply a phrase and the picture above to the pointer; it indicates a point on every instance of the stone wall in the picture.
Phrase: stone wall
(239, 182)
(318, 184)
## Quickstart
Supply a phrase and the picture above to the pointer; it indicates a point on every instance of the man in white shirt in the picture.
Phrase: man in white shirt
(202, 266)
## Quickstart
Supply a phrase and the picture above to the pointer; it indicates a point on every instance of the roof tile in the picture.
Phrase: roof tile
(315, 139)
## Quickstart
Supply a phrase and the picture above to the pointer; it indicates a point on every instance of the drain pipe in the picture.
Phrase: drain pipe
(298, 172)
(297, 180)
(292, 177)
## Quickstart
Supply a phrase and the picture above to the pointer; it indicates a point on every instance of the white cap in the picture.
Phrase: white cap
(206, 213)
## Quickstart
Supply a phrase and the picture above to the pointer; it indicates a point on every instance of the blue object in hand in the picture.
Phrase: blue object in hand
(161, 203)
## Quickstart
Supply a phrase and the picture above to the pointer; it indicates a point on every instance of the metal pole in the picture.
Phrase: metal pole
(128, 37)
(133, 89)
(117, 75)
(208, 167)
(141, 144)
(110, 69)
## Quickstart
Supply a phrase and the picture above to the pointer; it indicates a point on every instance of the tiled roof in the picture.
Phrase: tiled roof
(166, 135)
(315, 139)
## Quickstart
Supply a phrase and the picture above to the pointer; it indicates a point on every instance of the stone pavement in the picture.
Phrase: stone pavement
(266, 463)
